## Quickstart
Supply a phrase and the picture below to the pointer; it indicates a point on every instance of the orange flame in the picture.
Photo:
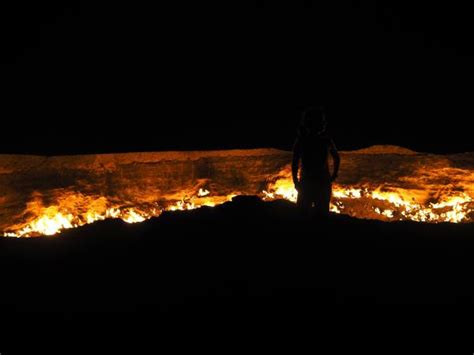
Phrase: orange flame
(72, 210)
(454, 207)
(54, 219)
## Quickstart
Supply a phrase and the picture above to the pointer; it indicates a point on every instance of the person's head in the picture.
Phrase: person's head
(313, 121)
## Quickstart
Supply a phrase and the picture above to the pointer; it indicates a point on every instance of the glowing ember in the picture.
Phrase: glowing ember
(203, 192)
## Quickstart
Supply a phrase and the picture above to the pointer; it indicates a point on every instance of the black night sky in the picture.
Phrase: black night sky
(81, 77)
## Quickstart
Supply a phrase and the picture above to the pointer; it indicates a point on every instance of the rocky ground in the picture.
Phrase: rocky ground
(242, 264)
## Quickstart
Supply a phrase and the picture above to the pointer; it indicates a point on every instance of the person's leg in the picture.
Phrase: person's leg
(304, 201)
(323, 199)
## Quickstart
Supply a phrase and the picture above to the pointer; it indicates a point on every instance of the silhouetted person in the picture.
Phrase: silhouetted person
(312, 148)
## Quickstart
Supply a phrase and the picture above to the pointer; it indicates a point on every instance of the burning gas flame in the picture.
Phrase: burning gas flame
(454, 207)
(54, 219)
(389, 204)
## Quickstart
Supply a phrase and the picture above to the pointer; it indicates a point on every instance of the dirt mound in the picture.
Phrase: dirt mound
(385, 149)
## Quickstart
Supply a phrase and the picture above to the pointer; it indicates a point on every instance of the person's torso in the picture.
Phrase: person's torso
(314, 156)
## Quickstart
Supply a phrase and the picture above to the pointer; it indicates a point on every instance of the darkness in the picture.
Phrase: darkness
(82, 77)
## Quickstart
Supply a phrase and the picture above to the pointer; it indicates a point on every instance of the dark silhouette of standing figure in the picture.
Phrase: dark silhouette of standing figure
(312, 148)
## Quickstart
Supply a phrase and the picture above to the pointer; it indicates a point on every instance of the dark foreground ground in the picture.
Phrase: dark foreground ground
(240, 272)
